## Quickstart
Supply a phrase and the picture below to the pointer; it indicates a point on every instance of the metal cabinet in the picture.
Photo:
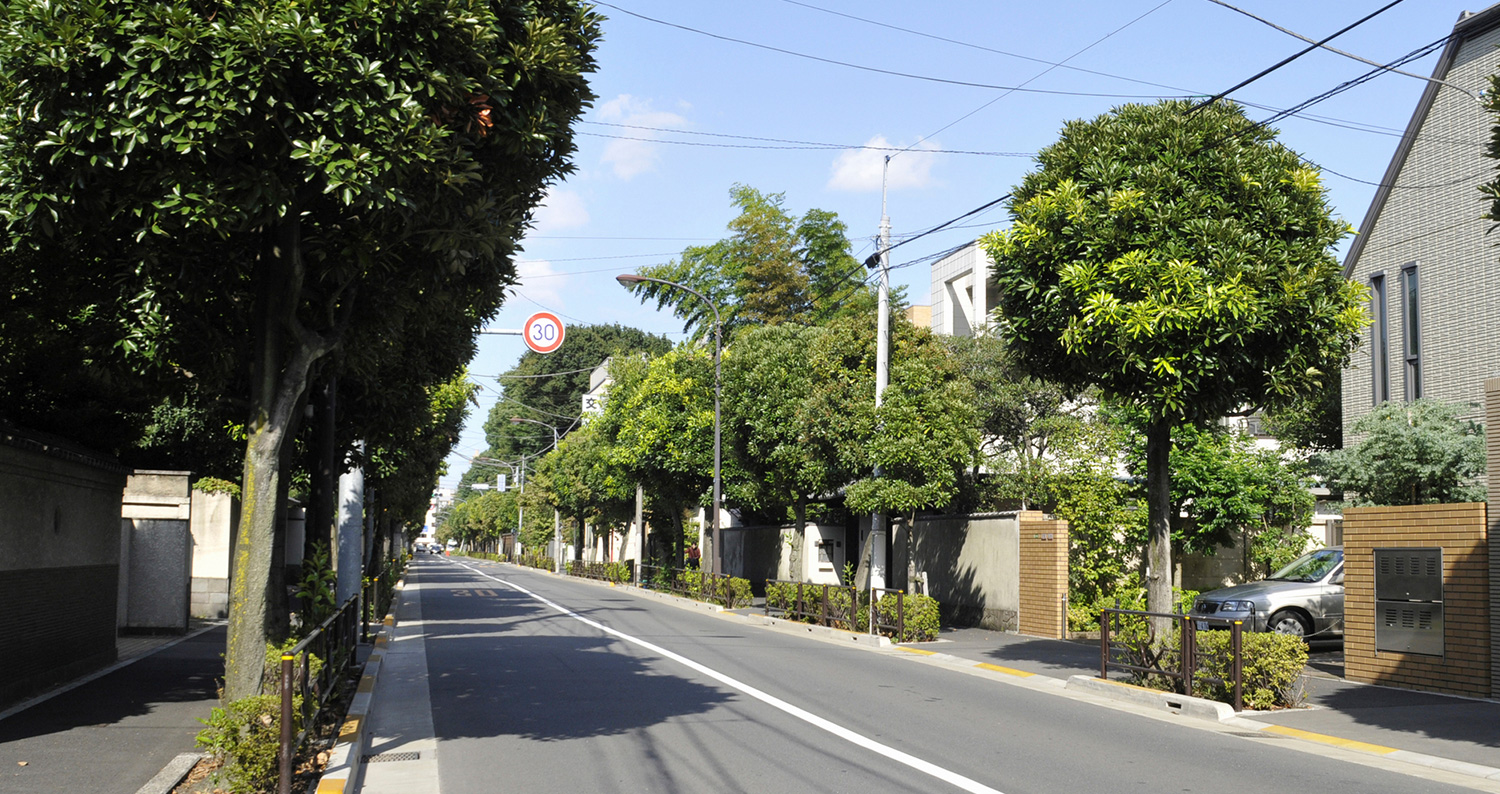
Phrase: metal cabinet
(1409, 600)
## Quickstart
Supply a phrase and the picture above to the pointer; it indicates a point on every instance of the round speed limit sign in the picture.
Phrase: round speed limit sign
(544, 332)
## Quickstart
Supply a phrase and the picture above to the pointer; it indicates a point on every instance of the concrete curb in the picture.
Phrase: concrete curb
(1172, 703)
(171, 774)
(347, 756)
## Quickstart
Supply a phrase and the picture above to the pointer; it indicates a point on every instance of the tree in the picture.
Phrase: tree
(1415, 453)
(772, 269)
(922, 439)
(1022, 419)
(259, 179)
(658, 424)
(770, 464)
(1178, 259)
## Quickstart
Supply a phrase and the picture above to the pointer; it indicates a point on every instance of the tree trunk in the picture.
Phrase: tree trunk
(1158, 508)
(323, 470)
(283, 354)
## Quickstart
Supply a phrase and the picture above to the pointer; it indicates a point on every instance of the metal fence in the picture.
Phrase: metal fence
(1134, 641)
(313, 670)
(714, 588)
(837, 606)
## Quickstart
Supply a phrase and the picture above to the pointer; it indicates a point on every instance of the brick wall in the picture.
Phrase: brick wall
(1044, 576)
(1464, 667)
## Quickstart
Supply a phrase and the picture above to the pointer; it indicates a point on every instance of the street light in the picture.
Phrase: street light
(629, 279)
(556, 517)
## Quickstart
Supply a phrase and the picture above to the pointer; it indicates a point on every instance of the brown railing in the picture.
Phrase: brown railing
(332, 645)
(830, 605)
(895, 625)
(620, 572)
(1130, 640)
(714, 588)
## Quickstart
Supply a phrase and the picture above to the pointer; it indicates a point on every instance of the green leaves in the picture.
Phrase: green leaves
(1420, 452)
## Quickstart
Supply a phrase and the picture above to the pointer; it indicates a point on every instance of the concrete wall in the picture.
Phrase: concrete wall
(212, 524)
(59, 563)
(156, 550)
(1464, 667)
(971, 565)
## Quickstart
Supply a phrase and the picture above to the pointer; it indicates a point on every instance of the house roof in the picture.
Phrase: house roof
(1469, 25)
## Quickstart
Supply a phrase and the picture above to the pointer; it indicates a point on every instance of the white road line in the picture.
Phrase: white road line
(840, 731)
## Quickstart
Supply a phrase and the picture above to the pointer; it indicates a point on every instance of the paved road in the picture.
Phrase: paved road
(542, 684)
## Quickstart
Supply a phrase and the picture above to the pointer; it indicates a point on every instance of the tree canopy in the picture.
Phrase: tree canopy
(257, 181)
(773, 268)
(1179, 260)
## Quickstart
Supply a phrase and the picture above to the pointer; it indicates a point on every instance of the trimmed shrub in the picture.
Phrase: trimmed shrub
(920, 617)
(1272, 667)
(245, 738)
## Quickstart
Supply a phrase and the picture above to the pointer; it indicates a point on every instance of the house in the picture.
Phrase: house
(1423, 249)
(1433, 270)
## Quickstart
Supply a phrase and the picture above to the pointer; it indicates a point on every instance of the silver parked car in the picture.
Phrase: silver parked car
(1306, 598)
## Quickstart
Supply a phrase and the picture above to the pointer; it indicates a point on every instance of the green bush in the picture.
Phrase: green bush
(245, 738)
(735, 592)
(617, 572)
(214, 485)
(1271, 668)
(921, 621)
(1085, 616)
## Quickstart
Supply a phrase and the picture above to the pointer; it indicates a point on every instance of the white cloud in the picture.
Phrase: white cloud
(537, 280)
(860, 169)
(631, 158)
(561, 209)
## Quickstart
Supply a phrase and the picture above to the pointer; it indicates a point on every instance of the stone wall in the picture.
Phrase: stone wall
(156, 551)
(59, 563)
(1459, 530)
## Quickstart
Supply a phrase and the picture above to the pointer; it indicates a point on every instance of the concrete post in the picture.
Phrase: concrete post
(348, 562)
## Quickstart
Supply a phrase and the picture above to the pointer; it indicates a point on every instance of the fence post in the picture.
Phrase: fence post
(1235, 639)
(1104, 644)
(824, 620)
(901, 617)
(284, 786)
(1189, 655)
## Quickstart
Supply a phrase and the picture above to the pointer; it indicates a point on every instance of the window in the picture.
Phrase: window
(1411, 332)
(1379, 341)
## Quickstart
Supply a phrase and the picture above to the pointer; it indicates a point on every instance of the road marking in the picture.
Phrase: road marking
(917, 651)
(1348, 744)
(1007, 670)
(945, 775)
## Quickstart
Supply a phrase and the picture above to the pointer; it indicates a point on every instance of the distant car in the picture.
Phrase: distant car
(1306, 599)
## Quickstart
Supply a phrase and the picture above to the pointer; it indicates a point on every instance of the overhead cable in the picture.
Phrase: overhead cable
(876, 70)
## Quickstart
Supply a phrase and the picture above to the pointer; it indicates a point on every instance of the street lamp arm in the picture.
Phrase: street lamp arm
(629, 279)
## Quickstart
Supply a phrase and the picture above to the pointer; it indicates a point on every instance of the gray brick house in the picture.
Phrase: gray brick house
(1423, 249)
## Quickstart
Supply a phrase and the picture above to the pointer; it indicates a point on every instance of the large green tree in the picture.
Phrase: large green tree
(1179, 260)
(1421, 452)
(773, 268)
(259, 178)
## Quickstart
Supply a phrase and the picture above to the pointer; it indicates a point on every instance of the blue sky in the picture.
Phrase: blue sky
(654, 165)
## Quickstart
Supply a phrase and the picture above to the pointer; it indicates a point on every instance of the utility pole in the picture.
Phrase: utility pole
(882, 377)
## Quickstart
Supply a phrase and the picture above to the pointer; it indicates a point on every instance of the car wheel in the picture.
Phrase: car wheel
(1288, 621)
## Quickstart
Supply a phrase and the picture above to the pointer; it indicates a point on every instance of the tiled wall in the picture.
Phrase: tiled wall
(1044, 576)
(1459, 529)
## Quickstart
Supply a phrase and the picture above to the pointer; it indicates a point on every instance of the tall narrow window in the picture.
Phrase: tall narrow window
(1379, 341)
(1411, 331)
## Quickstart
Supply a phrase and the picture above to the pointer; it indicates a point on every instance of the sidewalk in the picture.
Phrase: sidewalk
(1439, 726)
(115, 732)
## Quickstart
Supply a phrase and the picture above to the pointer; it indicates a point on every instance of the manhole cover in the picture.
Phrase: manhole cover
(380, 757)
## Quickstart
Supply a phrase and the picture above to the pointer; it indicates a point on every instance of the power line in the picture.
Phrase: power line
(1294, 56)
(876, 70)
(799, 144)
(874, 258)
(595, 258)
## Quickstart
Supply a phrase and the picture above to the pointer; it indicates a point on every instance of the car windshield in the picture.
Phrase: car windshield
(1310, 567)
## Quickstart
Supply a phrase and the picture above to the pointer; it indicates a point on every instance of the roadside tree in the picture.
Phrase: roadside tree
(1179, 260)
(258, 180)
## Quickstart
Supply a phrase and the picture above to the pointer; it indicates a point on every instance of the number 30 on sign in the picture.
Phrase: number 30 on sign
(544, 332)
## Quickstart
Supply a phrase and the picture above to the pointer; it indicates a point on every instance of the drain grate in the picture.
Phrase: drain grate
(380, 757)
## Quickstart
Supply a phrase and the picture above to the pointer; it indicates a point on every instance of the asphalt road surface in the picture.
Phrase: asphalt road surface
(544, 684)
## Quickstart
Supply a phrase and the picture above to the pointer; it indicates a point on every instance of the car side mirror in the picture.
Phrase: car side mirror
(1338, 578)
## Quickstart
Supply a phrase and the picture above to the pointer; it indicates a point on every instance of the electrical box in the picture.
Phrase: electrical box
(1409, 600)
